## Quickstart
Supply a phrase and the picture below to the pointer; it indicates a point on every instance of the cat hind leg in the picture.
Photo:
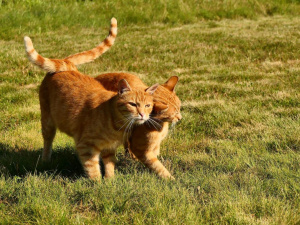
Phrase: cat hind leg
(48, 132)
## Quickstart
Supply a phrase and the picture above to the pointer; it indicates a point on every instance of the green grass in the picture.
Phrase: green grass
(235, 154)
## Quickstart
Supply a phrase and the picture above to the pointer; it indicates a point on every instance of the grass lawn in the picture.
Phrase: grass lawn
(236, 153)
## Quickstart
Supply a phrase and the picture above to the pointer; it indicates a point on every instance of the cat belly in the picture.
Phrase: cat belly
(100, 140)
(107, 145)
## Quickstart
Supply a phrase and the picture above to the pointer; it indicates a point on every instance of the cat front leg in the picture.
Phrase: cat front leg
(156, 150)
(109, 161)
(89, 158)
(151, 161)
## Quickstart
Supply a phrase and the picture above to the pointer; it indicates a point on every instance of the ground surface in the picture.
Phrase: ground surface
(236, 153)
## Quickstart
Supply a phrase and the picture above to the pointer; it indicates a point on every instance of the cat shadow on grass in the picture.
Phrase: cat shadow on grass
(16, 161)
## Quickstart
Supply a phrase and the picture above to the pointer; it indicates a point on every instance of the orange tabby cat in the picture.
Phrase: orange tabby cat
(81, 107)
(96, 118)
(145, 140)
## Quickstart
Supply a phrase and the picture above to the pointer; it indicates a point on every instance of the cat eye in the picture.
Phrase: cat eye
(132, 104)
(147, 106)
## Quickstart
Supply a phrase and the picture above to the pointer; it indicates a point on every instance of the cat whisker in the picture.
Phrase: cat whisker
(154, 121)
(128, 129)
(127, 121)
(122, 120)
(151, 116)
(131, 125)
(149, 123)
(123, 125)
(153, 124)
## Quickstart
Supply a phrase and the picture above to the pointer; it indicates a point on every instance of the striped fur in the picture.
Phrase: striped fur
(70, 63)
(88, 56)
(144, 144)
(96, 118)
(144, 141)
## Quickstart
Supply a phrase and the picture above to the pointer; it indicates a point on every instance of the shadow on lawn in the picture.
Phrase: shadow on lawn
(15, 161)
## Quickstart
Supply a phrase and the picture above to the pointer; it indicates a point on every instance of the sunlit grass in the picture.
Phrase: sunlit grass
(235, 154)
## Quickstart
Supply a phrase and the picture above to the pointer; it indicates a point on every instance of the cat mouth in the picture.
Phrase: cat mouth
(140, 121)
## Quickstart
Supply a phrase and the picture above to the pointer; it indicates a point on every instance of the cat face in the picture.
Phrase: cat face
(166, 103)
(135, 105)
(168, 109)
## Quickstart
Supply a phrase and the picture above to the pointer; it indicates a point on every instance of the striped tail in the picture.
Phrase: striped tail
(88, 56)
(69, 63)
(50, 65)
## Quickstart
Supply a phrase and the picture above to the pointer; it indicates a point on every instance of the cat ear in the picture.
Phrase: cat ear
(160, 107)
(171, 83)
(123, 86)
(152, 89)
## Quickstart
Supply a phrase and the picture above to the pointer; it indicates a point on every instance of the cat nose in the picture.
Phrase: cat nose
(142, 115)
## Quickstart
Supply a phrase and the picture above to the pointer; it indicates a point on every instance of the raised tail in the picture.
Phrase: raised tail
(88, 56)
(69, 63)
(50, 65)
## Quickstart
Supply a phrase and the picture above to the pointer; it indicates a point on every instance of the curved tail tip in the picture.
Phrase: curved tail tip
(113, 20)
(27, 39)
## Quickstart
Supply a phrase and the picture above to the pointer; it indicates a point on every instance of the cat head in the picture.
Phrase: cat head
(135, 105)
(166, 103)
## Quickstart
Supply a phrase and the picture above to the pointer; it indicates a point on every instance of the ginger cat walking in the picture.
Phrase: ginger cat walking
(71, 97)
(81, 107)
(97, 119)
